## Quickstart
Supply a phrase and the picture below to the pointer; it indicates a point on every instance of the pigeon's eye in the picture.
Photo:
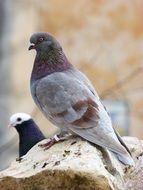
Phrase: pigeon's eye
(19, 119)
(40, 39)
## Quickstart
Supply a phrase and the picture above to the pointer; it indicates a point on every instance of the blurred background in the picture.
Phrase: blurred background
(103, 38)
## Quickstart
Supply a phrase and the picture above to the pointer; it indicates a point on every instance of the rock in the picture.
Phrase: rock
(134, 176)
(74, 164)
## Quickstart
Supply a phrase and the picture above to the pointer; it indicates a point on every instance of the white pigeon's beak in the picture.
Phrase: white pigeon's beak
(9, 126)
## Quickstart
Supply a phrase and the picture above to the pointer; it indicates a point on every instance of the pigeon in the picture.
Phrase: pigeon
(68, 99)
(29, 132)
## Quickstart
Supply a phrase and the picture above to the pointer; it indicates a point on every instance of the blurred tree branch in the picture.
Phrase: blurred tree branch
(120, 83)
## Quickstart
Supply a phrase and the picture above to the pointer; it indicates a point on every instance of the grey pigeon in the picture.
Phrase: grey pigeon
(29, 132)
(68, 99)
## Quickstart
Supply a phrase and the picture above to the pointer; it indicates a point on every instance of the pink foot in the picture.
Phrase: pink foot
(51, 142)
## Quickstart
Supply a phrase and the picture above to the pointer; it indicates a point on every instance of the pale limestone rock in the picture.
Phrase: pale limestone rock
(134, 176)
(72, 164)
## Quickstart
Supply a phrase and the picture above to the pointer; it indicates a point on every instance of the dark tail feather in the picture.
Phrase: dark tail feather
(122, 142)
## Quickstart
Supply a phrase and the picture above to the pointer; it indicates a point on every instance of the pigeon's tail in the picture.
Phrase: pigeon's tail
(126, 159)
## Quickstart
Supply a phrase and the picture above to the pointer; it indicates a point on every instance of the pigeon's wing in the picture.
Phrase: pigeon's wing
(83, 79)
(106, 138)
(93, 124)
(81, 115)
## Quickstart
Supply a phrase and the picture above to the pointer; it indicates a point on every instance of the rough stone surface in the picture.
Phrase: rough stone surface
(73, 164)
(134, 176)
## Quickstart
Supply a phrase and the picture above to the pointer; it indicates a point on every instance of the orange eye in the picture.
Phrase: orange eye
(40, 39)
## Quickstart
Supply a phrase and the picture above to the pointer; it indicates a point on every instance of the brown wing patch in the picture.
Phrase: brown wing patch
(90, 115)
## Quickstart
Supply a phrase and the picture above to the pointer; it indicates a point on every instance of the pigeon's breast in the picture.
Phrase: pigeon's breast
(56, 92)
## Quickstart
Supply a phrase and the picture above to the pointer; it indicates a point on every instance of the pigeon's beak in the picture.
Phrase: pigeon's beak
(31, 47)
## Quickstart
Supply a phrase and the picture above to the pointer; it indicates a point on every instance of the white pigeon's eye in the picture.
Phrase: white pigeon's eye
(19, 119)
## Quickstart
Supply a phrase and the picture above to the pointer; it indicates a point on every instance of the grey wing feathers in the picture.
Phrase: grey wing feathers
(81, 77)
(83, 114)
(100, 138)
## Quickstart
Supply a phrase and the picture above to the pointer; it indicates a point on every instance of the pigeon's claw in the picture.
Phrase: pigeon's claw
(49, 144)
(52, 141)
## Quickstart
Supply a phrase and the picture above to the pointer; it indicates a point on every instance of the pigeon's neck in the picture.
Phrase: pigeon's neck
(29, 135)
(28, 129)
(47, 63)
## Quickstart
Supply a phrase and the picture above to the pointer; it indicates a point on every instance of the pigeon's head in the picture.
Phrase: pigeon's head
(18, 118)
(42, 41)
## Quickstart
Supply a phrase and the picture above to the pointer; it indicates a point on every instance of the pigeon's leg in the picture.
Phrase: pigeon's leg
(56, 138)
(19, 159)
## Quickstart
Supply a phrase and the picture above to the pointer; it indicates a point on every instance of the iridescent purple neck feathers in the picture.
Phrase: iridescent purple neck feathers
(49, 62)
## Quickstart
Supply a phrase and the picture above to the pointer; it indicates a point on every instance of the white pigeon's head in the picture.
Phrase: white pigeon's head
(18, 118)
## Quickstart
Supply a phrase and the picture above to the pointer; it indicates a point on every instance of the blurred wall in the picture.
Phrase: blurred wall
(105, 40)
(6, 138)
(102, 38)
